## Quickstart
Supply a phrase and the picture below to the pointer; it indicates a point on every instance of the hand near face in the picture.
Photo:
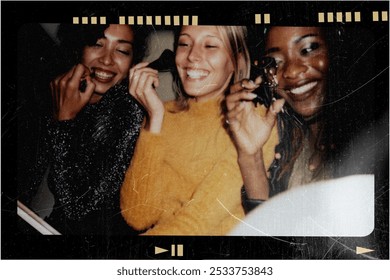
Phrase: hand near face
(250, 130)
(143, 84)
(68, 99)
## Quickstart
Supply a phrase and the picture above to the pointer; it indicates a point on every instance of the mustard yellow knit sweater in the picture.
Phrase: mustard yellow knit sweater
(186, 180)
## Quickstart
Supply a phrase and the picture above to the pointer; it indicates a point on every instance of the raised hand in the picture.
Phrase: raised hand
(68, 99)
(143, 83)
(250, 130)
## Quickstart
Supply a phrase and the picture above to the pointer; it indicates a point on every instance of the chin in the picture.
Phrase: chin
(103, 89)
(306, 113)
(194, 92)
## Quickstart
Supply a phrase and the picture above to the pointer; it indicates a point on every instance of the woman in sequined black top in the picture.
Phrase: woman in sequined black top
(93, 134)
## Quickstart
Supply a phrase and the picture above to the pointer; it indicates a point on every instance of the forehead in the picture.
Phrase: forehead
(281, 34)
(119, 32)
(201, 31)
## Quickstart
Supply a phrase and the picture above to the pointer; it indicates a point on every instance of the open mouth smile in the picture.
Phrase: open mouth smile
(103, 75)
(197, 74)
(303, 89)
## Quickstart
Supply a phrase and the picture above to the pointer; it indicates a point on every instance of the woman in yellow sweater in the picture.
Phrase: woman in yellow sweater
(184, 178)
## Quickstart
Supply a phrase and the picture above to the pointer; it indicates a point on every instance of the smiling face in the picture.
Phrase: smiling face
(110, 58)
(302, 57)
(203, 62)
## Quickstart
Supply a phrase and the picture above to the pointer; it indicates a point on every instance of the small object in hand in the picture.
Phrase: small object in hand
(83, 83)
(266, 69)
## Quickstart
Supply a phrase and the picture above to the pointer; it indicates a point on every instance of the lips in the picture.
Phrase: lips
(104, 76)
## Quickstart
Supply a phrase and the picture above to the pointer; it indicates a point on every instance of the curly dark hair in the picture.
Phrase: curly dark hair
(75, 37)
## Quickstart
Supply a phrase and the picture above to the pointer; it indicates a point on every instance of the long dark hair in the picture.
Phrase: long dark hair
(332, 138)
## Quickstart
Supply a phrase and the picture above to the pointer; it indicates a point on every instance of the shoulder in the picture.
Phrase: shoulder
(170, 106)
(121, 105)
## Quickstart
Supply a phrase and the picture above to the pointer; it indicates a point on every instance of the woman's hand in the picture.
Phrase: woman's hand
(250, 130)
(68, 100)
(143, 84)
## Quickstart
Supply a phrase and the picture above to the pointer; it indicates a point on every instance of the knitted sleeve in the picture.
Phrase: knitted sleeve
(139, 200)
(80, 182)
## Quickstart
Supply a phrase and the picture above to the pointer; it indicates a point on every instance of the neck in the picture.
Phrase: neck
(95, 98)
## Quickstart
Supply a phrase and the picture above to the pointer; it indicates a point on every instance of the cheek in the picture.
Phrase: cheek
(322, 65)
(179, 58)
(88, 56)
(124, 65)
(223, 65)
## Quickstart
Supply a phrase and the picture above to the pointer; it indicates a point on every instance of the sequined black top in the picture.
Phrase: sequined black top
(89, 157)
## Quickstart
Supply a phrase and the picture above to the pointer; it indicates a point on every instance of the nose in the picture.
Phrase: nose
(194, 54)
(106, 58)
(293, 69)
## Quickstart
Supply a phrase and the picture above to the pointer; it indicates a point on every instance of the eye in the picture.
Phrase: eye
(278, 60)
(312, 47)
(125, 52)
(98, 44)
(211, 46)
(183, 44)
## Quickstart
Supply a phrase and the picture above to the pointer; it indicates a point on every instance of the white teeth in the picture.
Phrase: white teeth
(196, 74)
(103, 75)
(304, 88)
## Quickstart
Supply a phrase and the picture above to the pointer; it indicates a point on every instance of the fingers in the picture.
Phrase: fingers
(56, 90)
(143, 82)
(244, 85)
(273, 111)
(89, 90)
(136, 67)
(233, 99)
(79, 72)
(68, 99)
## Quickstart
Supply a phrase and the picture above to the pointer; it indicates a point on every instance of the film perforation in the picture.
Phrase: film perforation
(167, 20)
(263, 18)
(89, 20)
(379, 16)
(340, 17)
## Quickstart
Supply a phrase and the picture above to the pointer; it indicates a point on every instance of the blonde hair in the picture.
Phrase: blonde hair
(234, 38)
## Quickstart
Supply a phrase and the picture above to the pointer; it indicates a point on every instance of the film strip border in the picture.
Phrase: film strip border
(345, 17)
(141, 20)
(176, 20)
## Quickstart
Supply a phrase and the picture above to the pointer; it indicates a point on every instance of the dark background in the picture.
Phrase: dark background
(19, 110)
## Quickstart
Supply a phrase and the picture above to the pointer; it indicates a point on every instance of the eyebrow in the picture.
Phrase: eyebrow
(296, 41)
(305, 36)
(211, 36)
(122, 41)
(125, 42)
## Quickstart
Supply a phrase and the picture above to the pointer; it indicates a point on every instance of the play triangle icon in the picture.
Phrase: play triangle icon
(158, 250)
